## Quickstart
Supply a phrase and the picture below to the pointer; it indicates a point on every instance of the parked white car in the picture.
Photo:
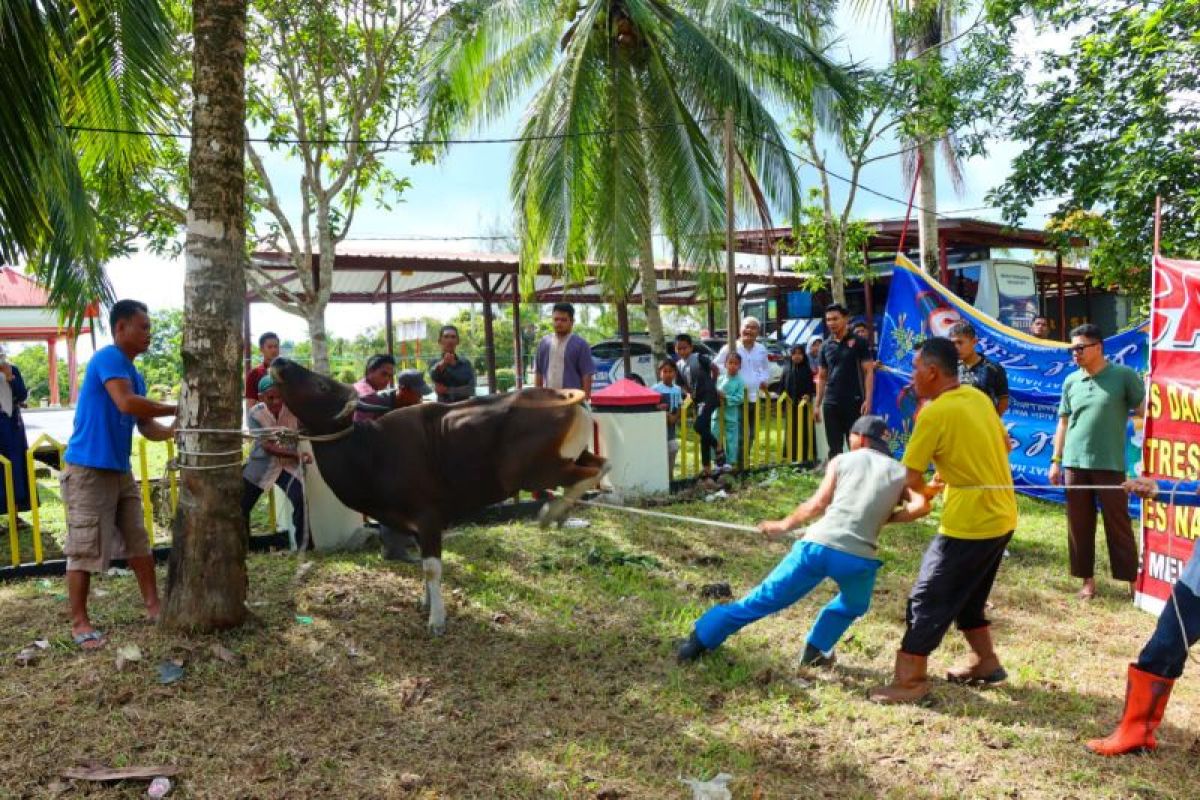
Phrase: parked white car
(610, 367)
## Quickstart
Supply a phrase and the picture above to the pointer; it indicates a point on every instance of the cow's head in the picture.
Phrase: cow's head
(322, 404)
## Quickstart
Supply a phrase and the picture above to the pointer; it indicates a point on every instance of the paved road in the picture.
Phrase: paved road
(56, 422)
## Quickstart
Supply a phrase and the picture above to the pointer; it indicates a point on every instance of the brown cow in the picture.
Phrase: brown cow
(421, 468)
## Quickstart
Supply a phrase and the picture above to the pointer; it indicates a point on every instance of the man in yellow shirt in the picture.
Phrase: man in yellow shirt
(960, 433)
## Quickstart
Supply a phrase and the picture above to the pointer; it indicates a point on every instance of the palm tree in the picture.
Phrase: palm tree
(73, 65)
(624, 131)
(921, 30)
(206, 580)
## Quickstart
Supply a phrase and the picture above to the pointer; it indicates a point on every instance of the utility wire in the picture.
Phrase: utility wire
(390, 143)
(539, 137)
(414, 237)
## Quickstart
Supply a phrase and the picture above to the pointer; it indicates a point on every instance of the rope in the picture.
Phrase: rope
(673, 517)
(749, 529)
(1062, 487)
(212, 453)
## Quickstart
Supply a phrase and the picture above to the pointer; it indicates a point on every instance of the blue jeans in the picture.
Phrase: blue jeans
(1166, 652)
(798, 574)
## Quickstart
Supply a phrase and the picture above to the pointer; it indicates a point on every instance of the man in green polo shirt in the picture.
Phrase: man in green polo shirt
(1089, 450)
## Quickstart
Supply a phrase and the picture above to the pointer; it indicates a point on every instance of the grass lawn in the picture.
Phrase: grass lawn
(556, 679)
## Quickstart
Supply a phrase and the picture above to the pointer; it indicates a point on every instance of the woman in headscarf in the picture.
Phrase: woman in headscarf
(797, 383)
(13, 444)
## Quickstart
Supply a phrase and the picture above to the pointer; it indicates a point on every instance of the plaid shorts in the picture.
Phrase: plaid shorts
(104, 517)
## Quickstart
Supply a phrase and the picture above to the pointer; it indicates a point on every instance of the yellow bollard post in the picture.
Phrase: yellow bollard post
(810, 430)
(147, 511)
(13, 543)
(692, 435)
(745, 415)
(782, 417)
(34, 512)
(682, 457)
(763, 443)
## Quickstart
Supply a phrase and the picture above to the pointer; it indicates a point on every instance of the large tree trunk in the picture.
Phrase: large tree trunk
(206, 579)
(654, 326)
(315, 316)
(927, 200)
(315, 313)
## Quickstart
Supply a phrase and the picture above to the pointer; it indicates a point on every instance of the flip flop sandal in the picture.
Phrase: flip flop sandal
(81, 640)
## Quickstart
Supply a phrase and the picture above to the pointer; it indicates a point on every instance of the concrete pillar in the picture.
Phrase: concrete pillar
(72, 371)
(52, 354)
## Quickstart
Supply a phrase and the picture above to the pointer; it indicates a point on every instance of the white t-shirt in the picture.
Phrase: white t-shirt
(756, 368)
(555, 364)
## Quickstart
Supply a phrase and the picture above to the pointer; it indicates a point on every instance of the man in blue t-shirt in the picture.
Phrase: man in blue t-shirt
(103, 502)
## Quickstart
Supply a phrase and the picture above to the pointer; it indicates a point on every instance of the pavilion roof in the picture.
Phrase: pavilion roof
(376, 270)
(24, 310)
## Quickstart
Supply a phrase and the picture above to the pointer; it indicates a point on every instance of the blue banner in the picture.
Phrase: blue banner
(919, 307)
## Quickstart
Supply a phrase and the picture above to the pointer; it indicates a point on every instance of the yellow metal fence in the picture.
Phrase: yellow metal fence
(784, 434)
(146, 475)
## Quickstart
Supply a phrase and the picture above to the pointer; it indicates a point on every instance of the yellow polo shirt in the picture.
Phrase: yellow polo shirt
(961, 434)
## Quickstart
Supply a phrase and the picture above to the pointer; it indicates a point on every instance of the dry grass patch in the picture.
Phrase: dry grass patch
(556, 679)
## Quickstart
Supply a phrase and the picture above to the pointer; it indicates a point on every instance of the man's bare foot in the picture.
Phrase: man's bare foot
(1088, 591)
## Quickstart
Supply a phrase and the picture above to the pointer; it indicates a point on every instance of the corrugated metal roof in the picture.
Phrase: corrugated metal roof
(433, 276)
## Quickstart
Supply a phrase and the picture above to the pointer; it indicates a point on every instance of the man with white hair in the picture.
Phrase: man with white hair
(756, 372)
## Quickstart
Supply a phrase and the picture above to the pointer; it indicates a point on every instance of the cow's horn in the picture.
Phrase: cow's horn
(347, 410)
(371, 408)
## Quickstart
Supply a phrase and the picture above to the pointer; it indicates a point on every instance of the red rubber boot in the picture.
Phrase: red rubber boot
(1146, 698)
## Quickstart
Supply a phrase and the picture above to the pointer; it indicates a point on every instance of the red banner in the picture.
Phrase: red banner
(1171, 450)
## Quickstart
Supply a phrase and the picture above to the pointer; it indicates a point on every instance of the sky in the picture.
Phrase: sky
(466, 194)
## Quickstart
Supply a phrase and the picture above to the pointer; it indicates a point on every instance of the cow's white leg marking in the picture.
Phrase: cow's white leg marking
(432, 569)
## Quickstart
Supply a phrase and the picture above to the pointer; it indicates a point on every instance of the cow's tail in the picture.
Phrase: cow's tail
(548, 398)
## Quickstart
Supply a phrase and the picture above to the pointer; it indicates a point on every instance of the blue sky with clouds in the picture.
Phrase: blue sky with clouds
(467, 194)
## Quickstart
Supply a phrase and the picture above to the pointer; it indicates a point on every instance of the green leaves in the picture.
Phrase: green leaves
(73, 64)
(624, 125)
(1116, 125)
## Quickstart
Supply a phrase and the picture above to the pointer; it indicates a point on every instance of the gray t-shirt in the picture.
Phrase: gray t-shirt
(869, 485)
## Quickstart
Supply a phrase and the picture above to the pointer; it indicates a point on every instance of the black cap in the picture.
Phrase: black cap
(414, 380)
(875, 430)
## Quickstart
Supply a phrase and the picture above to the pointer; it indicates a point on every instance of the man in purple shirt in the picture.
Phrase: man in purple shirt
(564, 359)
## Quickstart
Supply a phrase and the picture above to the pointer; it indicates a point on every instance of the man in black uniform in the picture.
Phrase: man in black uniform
(975, 369)
(845, 379)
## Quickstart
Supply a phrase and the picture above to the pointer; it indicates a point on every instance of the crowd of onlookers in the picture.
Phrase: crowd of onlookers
(835, 373)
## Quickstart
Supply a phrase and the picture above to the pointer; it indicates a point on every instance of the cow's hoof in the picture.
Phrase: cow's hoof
(545, 516)
(437, 629)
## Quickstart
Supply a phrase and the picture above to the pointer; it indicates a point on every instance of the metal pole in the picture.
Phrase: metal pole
(489, 336)
(943, 260)
(518, 361)
(867, 290)
(1157, 222)
(387, 317)
(731, 299)
(1062, 297)
(623, 330)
